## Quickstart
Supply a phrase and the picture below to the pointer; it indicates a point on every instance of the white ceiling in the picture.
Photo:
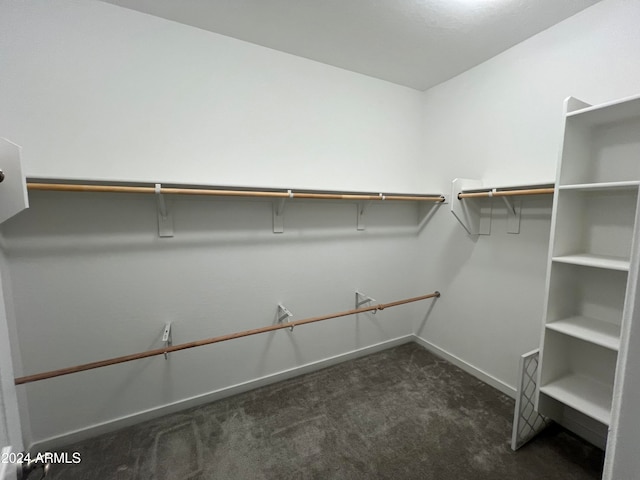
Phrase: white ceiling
(417, 43)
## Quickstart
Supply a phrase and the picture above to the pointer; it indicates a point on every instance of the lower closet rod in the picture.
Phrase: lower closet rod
(208, 341)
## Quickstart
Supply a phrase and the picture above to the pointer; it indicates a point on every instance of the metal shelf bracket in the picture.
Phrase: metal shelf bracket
(513, 214)
(362, 208)
(278, 214)
(165, 219)
(284, 315)
(475, 217)
(362, 299)
(166, 337)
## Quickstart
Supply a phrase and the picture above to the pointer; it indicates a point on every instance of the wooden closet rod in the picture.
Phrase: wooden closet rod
(508, 193)
(63, 187)
(208, 341)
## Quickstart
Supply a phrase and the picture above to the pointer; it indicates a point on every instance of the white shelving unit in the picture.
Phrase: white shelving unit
(595, 213)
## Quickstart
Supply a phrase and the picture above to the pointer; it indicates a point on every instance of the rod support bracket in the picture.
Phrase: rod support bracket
(514, 208)
(474, 216)
(284, 315)
(362, 209)
(166, 337)
(278, 213)
(362, 299)
(165, 219)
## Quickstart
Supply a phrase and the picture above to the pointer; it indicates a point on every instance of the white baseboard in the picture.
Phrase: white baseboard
(467, 367)
(129, 420)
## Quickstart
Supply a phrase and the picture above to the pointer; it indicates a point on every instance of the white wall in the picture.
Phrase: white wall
(91, 280)
(500, 122)
(90, 90)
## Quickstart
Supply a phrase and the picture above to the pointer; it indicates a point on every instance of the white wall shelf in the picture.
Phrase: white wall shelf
(604, 186)
(606, 113)
(595, 331)
(579, 374)
(582, 393)
(278, 197)
(471, 203)
(597, 261)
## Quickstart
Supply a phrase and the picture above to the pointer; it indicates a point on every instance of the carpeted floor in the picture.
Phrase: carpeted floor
(399, 414)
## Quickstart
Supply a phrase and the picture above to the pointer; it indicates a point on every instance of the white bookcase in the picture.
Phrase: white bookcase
(595, 213)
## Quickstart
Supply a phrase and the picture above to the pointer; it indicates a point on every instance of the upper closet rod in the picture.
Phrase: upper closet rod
(208, 341)
(61, 187)
(508, 193)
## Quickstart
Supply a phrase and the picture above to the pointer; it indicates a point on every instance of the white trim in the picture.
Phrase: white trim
(133, 419)
(467, 367)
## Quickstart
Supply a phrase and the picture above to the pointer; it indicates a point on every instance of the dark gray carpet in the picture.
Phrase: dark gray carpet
(399, 414)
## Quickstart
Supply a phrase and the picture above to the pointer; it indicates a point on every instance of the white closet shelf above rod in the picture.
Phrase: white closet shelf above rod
(279, 197)
(230, 192)
(494, 192)
(475, 216)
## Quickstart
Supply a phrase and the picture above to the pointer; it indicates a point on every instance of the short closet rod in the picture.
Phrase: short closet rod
(63, 187)
(208, 341)
(508, 193)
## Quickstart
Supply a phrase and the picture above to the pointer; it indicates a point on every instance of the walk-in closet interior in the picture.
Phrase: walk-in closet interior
(288, 239)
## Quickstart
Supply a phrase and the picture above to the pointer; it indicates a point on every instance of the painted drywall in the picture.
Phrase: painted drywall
(493, 289)
(92, 280)
(501, 123)
(92, 90)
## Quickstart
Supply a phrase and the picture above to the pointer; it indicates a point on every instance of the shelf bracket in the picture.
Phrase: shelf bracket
(362, 299)
(166, 337)
(278, 214)
(284, 315)
(362, 208)
(514, 207)
(165, 219)
(474, 216)
(427, 211)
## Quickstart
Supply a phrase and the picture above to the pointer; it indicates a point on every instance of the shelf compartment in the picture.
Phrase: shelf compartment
(579, 374)
(603, 149)
(591, 330)
(583, 394)
(595, 226)
(577, 291)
